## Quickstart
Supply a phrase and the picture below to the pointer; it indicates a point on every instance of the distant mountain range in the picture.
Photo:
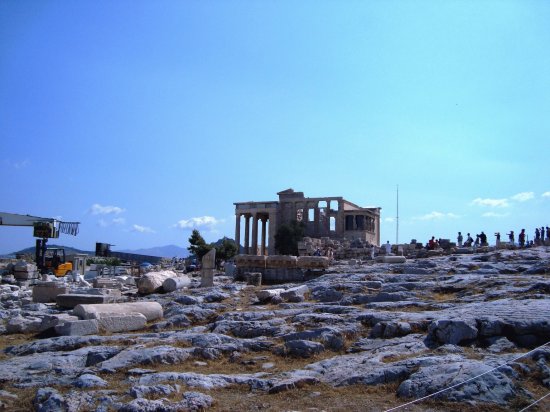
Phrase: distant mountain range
(160, 251)
(68, 250)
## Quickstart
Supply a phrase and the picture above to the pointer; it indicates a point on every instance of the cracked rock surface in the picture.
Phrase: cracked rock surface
(374, 332)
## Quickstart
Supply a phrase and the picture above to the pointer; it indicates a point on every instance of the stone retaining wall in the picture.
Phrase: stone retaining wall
(281, 268)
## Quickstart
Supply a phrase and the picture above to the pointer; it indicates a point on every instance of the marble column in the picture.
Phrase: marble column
(254, 245)
(238, 232)
(246, 233)
(316, 220)
(327, 218)
(264, 226)
(272, 229)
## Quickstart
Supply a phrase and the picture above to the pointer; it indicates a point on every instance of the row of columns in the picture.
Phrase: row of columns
(251, 248)
(319, 228)
(360, 222)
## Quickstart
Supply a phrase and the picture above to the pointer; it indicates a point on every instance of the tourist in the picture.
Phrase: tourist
(476, 243)
(483, 239)
(542, 235)
(537, 236)
(388, 247)
(547, 233)
(330, 254)
(372, 252)
(521, 238)
(469, 241)
(459, 239)
(432, 244)
(497, 235)
(511, 237)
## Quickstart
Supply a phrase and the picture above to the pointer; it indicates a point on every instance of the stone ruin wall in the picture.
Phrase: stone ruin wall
(323, 217)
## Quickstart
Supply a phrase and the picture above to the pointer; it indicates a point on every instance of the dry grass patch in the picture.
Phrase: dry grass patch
(13, 340)
(248, 363)
(405, 356)
(327, 398)
(25, 398)
(441, 297)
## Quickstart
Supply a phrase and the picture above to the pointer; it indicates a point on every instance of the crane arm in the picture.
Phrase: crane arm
(13, 219)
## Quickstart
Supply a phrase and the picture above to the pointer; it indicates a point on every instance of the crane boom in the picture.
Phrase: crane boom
(43, 226)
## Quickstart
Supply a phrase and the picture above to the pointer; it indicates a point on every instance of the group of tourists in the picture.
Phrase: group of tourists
(523, 241)
(481, 240)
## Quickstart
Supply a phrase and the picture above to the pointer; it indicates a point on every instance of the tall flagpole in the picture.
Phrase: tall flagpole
(397, 219)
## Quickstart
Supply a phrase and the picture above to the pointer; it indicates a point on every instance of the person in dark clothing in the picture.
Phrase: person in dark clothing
(483, 239)
(511, 237)
(542, 235)
(537, 236)
(521, 238)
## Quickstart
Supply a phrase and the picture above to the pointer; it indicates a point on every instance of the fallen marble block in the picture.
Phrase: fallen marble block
(391, 259)
(51, 321)
(78, 328)
(108, 283)
(296, 294)
(268, 294)
(151, 310)
(70, 300)
(176, 283)
(46, 292)
(121, 322)
(26, 275)
(20, 324)
(152, 282)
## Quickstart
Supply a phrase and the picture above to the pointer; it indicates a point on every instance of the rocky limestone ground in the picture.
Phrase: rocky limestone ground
(360, 337)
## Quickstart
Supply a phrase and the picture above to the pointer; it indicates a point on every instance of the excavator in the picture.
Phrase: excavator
(48, 260)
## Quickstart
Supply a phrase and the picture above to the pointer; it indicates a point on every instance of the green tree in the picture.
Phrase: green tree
(226, 249)
(287, 237)
(197, 245)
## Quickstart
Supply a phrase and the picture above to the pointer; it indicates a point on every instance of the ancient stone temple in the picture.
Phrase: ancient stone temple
(332, 217)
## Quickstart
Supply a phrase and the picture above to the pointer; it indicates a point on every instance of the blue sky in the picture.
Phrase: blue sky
(143, 119)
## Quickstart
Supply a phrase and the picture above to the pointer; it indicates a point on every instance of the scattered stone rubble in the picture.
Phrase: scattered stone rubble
(422, 326)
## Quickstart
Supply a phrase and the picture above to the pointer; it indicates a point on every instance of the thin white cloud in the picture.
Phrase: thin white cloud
(22, 164)
(546, 194)
(490, 202)
(494, 214)
(142, 229)
(102, 223)
(389, 219)
(523, 196)
(98, 209)
(437, 216)
(199, 222)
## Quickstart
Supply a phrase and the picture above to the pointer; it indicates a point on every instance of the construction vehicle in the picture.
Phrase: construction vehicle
(48, 260)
